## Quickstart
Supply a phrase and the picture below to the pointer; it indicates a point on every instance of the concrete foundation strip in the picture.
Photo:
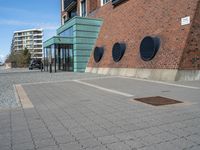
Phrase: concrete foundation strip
(70, 80)
(104, 89)
(160, 82)
(22, 96)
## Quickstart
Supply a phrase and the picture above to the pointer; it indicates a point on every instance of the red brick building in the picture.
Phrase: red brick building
(161, 38)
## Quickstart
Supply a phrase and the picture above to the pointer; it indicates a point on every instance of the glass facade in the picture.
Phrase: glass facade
(68, 3)
(105, 1)
(59, 58)
(72, 13)
(67, 33)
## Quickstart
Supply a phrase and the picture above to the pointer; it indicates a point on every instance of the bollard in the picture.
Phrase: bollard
(50, 68)
(41, 67)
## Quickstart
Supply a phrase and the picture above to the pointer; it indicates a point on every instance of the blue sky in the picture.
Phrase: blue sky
(26, 14)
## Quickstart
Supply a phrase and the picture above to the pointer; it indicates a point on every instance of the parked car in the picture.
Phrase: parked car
(1, 64)
(35, 64)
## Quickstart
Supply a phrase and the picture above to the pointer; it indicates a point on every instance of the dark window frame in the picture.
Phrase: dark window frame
(83, 8)
(117, 2)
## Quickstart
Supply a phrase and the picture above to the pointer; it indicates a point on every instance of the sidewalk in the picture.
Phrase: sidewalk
(100, 113)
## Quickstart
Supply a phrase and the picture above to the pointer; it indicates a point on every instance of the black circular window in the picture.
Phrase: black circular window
(149, 47)
(118, 51)
(98, 53)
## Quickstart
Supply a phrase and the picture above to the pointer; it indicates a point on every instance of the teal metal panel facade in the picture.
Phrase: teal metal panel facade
(84, 34)
(58, 40)
(83, 41)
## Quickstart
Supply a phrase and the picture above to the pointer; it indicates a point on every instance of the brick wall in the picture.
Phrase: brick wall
(191, 55)
(92, 5)
(131, 21)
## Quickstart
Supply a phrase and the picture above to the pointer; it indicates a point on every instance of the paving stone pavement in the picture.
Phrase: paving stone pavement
(72, 116)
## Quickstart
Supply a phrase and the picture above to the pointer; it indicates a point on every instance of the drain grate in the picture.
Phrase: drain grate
(157, 100)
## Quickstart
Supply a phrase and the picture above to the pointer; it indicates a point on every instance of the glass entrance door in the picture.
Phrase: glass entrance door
(70, 60)
(59, 57)
(67, 59)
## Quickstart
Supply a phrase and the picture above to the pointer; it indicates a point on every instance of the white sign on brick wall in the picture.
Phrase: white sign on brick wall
(185, 20)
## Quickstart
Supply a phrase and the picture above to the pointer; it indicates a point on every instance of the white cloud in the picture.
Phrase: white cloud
(13, 22)
(14, 10)
(43, 25)
(47, 26)
(18, 11)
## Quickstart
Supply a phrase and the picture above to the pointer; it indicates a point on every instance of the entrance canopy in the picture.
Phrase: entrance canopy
(58, 40)
(58, 54)
(78, 35)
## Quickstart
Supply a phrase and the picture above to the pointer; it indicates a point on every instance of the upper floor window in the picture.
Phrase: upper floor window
(83, 8)
(72, 13)
(68, 4)
(104, 2)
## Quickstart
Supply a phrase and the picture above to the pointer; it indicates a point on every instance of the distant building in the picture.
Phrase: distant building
(30, 39)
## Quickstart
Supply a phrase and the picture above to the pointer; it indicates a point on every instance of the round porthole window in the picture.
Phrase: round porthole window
(118, 51)
(149, 47)
(98, 53)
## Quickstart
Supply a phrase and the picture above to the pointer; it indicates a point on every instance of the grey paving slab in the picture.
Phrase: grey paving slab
(183, 143)
(5, 141)
(97, 148)
(49, 148)
(89, 143)
(69, 115)
(64, 139)
(143, 88)
(108, 139)
(23, 146)
(147, 123)
(74, 146)
(83, 135)
(21, 138)
(161, 146)
(118, 146)
(135, 144)
(44, 143)
(9, 77)
(195, 147)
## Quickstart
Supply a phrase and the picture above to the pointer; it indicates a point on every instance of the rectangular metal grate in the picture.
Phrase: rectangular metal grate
(157, 101)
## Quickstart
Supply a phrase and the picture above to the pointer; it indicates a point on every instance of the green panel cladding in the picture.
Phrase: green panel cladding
(58, 40)
(85, 33)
